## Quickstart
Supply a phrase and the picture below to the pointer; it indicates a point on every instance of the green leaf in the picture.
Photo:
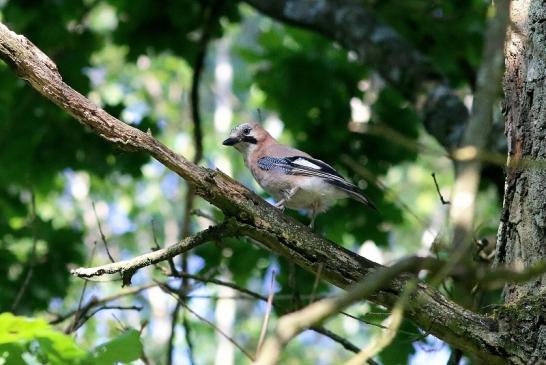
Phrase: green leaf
(125, 348)
(11, 354)
(20, 335)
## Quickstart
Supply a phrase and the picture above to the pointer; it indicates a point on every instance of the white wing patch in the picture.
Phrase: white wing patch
(303, 162)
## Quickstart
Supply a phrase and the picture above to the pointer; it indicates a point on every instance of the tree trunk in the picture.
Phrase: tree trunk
(522, 233)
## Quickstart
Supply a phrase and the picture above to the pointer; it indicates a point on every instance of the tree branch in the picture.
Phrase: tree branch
(292, 324)
(385, 339)
(129, 267)
(94, 302)
(251, 294)
(257, 219)
(357, 28)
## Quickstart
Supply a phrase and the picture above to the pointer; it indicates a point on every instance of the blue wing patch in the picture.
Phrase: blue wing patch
(299, 165)
(273, 163)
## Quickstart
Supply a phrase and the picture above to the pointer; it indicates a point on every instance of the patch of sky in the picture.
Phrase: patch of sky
(96, 75)
(118, 220)
(195, 263)
(134, 113)
(169, 185)
(434, 351)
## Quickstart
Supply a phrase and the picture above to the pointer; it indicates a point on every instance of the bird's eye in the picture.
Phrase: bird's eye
(246, 131)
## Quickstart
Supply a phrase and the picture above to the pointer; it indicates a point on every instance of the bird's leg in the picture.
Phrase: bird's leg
(313, 215)
(287, 197)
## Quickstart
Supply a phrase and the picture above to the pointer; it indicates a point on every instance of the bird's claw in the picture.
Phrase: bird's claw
(280, 206)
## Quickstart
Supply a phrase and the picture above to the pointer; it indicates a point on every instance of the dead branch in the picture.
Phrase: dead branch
(128, 267)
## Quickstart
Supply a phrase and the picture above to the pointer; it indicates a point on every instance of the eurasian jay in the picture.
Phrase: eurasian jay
(292, 177)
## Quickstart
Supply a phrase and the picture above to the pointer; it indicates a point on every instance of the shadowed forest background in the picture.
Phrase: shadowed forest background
(386, 114)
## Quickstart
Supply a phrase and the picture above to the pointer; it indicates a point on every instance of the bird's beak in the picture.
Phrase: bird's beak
(231, 141)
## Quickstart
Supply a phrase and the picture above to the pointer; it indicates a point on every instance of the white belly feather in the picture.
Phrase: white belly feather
(312, 191)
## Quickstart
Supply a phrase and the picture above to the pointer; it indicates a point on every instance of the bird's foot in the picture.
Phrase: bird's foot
(312, 223)
(280, 205)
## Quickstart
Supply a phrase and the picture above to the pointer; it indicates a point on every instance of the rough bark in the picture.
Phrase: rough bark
(522, 233)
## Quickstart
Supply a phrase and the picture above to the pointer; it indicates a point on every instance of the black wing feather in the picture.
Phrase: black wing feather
(288, 166)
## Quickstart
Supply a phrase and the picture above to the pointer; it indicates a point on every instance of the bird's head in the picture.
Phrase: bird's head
(246, 136)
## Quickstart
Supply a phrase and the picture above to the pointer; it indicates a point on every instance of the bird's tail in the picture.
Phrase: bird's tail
(354, 193)
(359, 197)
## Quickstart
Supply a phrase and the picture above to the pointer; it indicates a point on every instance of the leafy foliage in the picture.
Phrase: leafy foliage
(124, 348)
(22, 338)
(432, 25)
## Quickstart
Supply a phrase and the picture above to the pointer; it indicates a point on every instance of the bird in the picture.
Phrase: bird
(294, 178)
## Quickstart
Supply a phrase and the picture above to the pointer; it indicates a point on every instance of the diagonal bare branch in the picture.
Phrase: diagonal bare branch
(292, 324)
(129, 267)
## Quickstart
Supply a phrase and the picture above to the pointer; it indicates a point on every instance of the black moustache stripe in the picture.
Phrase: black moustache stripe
(249, 139)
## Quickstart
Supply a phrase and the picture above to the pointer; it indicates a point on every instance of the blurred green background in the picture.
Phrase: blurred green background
(137, 59)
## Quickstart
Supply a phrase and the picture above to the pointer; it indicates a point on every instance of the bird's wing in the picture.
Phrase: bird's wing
(299, 165)
(307, 166)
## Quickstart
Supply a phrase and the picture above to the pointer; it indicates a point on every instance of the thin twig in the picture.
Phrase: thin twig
(102, 236)
(316, 283)
(335, 337)
(211, 15)
(187, 336)
(170, 342)
(292, 324)
(224, 283)
(129, 267)
(395, 319)
(122, 326)
(79, 312)
(93, 302)
(32, 257)
(362, 320)
(202, 319)
(444, 202)
(267, 311)
(158, 247)
(253, 295)
(87, 317)
(202, 214)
